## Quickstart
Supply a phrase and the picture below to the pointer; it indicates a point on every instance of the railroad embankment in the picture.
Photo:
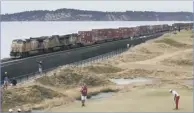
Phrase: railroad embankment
(162, 64)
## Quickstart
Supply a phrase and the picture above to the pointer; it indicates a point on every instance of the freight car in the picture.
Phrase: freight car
(46, 44)
(85, 38)
(127, 32)
(181, 26)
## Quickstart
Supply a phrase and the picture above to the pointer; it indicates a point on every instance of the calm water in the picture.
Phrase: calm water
(23, 30)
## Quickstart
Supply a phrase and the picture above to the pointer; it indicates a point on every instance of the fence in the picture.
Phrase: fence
(83, 63)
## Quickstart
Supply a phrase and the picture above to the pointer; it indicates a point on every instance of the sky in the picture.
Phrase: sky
(161, 6)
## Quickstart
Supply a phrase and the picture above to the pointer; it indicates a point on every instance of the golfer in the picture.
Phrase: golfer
(84, 91)
(176, 97)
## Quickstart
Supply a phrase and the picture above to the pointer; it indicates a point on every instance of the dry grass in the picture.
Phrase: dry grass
(104, 90)
(40, 97)
(173, 43)
(164, 45)
(180, 62)
(184, 60)
(103, 69)
(159, 98)
(181, 40)
(162, 74)
(31, 94)
(72, 78)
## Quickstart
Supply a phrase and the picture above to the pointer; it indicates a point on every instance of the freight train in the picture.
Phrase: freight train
(47, 44)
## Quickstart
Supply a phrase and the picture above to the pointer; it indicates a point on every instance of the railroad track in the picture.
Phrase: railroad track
(82, 63)
(9, 60)
(27, 67)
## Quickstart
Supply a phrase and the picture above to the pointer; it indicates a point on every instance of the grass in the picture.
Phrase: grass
(72, 79)
(145, 50)
(41, 96)
(104, 90)
(184, 59)
(179, 40)
(158, 93)
(156, 99)
(94, 77)
(180, 62)
(31, 94)
(103, 69)
(173, 43)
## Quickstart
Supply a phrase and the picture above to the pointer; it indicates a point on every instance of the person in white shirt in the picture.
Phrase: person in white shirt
(40, 66)
(176, 97)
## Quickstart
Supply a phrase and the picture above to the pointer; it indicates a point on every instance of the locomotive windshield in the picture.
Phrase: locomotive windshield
(18, 41)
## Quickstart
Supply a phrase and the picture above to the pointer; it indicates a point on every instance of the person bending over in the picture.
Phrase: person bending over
(176, 97)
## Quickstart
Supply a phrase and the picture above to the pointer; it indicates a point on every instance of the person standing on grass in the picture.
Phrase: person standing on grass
(179, 28)
(84, 91)
(6, 81)
(176, 97)
(40, 67)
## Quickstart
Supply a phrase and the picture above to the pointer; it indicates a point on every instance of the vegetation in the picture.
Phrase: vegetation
(83, 15)
(27, 95)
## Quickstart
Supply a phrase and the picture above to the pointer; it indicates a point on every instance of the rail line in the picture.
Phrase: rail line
(9, 60)
(82, 63)
(53, 60)
(57, 52)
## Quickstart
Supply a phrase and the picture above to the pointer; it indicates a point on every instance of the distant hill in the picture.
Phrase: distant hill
(83, 15)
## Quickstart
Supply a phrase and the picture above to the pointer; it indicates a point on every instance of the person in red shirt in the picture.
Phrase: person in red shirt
(84, 91)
